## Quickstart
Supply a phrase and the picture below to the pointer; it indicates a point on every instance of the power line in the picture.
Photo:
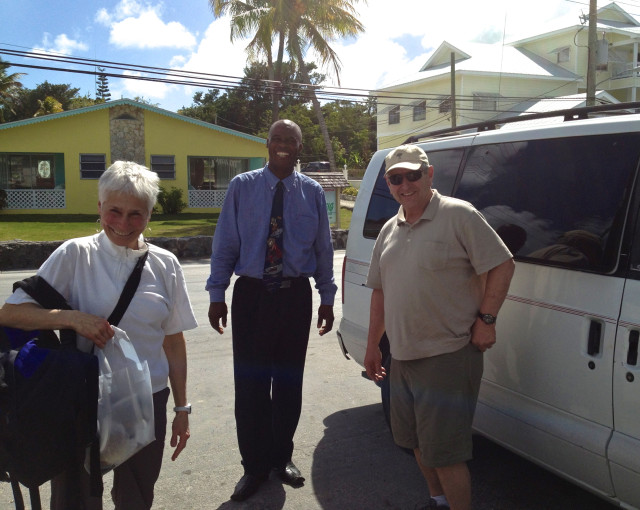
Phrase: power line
(226, 82)
(384, 100)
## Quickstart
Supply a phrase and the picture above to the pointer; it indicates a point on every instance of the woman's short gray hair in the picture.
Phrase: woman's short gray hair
(129, 178)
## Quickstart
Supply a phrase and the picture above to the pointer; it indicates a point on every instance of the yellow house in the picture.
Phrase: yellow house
(471, 82)
(51, 164)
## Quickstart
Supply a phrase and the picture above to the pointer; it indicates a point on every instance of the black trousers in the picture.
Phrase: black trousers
(270, 337)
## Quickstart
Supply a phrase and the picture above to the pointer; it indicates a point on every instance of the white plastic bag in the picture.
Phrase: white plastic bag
(125, 402)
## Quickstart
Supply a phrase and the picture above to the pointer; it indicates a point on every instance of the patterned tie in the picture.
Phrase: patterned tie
(273, 261)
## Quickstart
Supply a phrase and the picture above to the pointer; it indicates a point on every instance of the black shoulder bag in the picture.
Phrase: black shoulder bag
(49, 398)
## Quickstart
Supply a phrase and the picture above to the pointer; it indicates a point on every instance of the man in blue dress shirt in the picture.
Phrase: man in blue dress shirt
(271, 327)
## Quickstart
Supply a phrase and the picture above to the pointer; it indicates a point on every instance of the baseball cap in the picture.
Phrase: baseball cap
(410, 157)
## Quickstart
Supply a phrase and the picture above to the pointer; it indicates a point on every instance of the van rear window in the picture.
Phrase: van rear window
(555, 201)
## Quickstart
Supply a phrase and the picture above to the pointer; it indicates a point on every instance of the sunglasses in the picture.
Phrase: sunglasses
(413, 176)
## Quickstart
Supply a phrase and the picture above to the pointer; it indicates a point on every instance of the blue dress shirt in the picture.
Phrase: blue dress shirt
(240, 239)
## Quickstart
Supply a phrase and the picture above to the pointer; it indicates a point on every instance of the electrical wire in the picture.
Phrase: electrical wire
(385, 100)
(225, 82)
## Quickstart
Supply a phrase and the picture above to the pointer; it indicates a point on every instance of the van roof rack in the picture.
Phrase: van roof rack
(568, 114)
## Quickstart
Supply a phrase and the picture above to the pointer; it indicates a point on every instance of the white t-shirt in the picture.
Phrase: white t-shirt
(90, 272)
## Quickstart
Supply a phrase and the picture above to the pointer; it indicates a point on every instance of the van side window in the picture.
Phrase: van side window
(555, 201)
(383, 206)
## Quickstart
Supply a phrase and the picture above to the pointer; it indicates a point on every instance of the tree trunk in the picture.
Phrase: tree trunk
(323, 129)
(277, 86)
(318, 110)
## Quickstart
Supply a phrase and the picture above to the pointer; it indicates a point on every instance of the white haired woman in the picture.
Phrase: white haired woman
(90, 272)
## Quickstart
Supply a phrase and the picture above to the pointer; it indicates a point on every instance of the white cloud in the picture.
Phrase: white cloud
(103, 17)
(128, 8)
(131, 88)
(124, 9)
(61, 44)
(214, 55)
(149, 31)
(133, 25)
(377, 57)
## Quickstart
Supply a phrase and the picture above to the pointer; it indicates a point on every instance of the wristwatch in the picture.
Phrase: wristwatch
(186, 409)
(487, 318)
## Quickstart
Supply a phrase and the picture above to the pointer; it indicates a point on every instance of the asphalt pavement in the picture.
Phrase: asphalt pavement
(342, 445)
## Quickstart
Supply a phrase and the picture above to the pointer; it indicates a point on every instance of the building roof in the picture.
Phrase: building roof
(610, 18)
(130, 102)
(512, 58)
(329, 180)
(480, 58)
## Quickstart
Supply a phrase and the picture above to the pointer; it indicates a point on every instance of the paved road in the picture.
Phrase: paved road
(342, 445)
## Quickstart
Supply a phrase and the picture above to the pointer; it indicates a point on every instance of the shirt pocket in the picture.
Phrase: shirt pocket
(304, 230)
(434, 255)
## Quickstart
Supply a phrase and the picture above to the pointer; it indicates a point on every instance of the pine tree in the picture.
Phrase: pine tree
(102, 86)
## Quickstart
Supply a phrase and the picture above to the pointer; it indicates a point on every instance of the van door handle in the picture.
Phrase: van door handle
(593, 344)
(632, 353)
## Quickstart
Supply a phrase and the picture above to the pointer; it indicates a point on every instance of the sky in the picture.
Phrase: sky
(183, 35)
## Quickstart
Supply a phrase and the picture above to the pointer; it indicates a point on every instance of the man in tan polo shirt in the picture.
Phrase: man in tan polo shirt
(439, 275)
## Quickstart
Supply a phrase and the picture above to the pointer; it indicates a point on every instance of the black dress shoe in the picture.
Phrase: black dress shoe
(291, 475)
(247, 487)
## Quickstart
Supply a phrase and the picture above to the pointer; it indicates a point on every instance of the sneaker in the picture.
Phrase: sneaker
(433, 505)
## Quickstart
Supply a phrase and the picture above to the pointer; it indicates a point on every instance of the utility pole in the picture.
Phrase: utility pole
(592, 53)
(453, 89)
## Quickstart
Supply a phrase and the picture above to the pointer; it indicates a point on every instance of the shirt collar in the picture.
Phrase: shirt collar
(272, 180)
(121, 251)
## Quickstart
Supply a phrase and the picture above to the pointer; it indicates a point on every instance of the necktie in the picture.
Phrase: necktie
(273, 261)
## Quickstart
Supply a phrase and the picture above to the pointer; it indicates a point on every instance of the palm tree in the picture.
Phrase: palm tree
(258, 17)
(9, 86)
(300, 25)
(313, 24)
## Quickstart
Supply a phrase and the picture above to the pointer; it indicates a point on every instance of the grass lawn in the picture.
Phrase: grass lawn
(39, 227)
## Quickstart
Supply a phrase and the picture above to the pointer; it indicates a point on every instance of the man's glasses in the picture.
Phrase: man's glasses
(413, 176)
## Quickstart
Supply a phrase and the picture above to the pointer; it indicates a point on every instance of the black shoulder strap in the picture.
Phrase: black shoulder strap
(40, 290)
(128, 291)
(49, 298)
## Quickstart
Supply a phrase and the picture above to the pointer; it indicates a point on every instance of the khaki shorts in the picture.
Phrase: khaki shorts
(432, 405)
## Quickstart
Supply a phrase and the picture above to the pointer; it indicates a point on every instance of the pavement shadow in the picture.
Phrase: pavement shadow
(501, 478)
(357, 465)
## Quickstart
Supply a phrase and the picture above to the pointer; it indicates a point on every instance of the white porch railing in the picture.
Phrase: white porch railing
(36, 198)
(56, 198)
(206, 197)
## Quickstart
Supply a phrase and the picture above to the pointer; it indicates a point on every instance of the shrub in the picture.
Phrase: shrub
(171, 201)
(3, 199)
(351, 191)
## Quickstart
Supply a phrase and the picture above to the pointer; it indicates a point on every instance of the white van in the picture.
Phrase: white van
(562, 385)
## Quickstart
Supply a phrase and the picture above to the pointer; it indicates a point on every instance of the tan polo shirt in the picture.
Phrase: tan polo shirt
(432, 274)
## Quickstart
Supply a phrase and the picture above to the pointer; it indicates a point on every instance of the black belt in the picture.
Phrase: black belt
(286, 283)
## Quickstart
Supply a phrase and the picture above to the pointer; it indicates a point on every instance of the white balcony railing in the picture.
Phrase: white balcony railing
(624, 70)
